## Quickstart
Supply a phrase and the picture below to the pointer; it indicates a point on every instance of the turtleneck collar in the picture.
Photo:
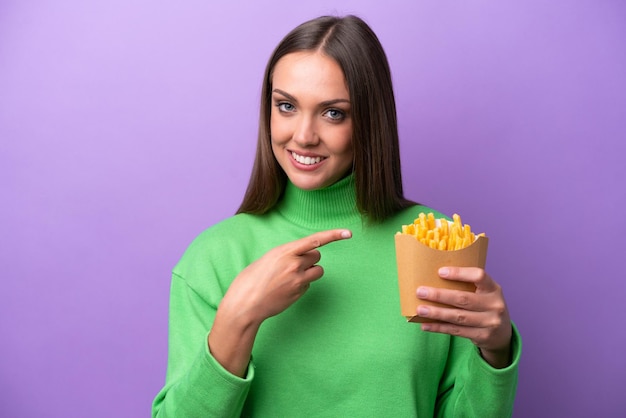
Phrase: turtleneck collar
(331, 207)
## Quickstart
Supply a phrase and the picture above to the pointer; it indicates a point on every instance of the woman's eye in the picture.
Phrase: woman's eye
(335, 114)
(285, 107)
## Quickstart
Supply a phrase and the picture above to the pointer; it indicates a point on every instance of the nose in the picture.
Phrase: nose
(305, 133)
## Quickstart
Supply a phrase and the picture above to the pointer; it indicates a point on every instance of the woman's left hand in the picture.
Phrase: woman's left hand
(482, 316)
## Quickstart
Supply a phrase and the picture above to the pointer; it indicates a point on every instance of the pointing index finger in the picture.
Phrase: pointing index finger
(319, 239)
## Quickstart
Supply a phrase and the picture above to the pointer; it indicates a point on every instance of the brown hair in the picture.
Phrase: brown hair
(377, 175)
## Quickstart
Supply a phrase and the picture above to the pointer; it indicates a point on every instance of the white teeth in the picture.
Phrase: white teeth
(305, 160)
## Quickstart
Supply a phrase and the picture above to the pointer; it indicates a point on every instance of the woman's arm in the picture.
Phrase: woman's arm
(211, 376)
(196, 385)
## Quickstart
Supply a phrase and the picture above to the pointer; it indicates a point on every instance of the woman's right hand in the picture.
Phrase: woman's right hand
(265, 288)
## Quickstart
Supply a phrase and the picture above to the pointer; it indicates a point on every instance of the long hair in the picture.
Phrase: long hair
(377, 175)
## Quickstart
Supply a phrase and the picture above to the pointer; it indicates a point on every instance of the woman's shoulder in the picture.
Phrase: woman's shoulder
(225, 231)
(222, 243)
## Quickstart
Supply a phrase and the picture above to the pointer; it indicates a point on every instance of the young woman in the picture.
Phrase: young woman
(290, 308)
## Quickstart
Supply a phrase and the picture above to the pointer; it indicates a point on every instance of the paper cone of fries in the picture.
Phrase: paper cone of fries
(418, 265)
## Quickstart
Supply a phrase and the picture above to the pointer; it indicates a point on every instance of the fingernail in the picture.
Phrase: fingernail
(346, 234)
(422, 310)
(422, 292)
(426, 327)
(444, 272)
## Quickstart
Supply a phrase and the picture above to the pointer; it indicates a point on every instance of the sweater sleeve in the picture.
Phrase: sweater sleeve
(196, 384)
(471, 387)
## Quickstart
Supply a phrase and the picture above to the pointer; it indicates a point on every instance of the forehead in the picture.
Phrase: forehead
(309, 72)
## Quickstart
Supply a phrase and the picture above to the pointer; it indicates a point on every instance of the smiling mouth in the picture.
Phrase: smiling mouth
(306, 160)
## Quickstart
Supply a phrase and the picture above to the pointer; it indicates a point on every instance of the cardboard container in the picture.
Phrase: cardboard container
(418, 265)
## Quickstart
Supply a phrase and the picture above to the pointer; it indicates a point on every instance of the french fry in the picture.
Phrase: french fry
(422, 220)
(430, 219)
(457, 220)
(441, 234)
(444, 227)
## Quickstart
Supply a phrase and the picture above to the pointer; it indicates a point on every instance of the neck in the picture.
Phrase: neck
(331, 207)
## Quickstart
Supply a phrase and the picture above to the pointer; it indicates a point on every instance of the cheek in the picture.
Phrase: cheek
(279, 131)
(344, 143)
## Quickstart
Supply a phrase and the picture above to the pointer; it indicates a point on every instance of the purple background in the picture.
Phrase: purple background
(127, 127)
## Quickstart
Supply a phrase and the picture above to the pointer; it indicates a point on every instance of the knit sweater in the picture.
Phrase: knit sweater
(343, 349)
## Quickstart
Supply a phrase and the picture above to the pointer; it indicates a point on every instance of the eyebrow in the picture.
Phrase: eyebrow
(325, 103)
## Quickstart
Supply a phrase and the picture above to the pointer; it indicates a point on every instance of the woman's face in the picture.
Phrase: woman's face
(310, 123)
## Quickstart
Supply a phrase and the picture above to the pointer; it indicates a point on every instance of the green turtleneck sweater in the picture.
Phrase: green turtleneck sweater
(342, 350)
